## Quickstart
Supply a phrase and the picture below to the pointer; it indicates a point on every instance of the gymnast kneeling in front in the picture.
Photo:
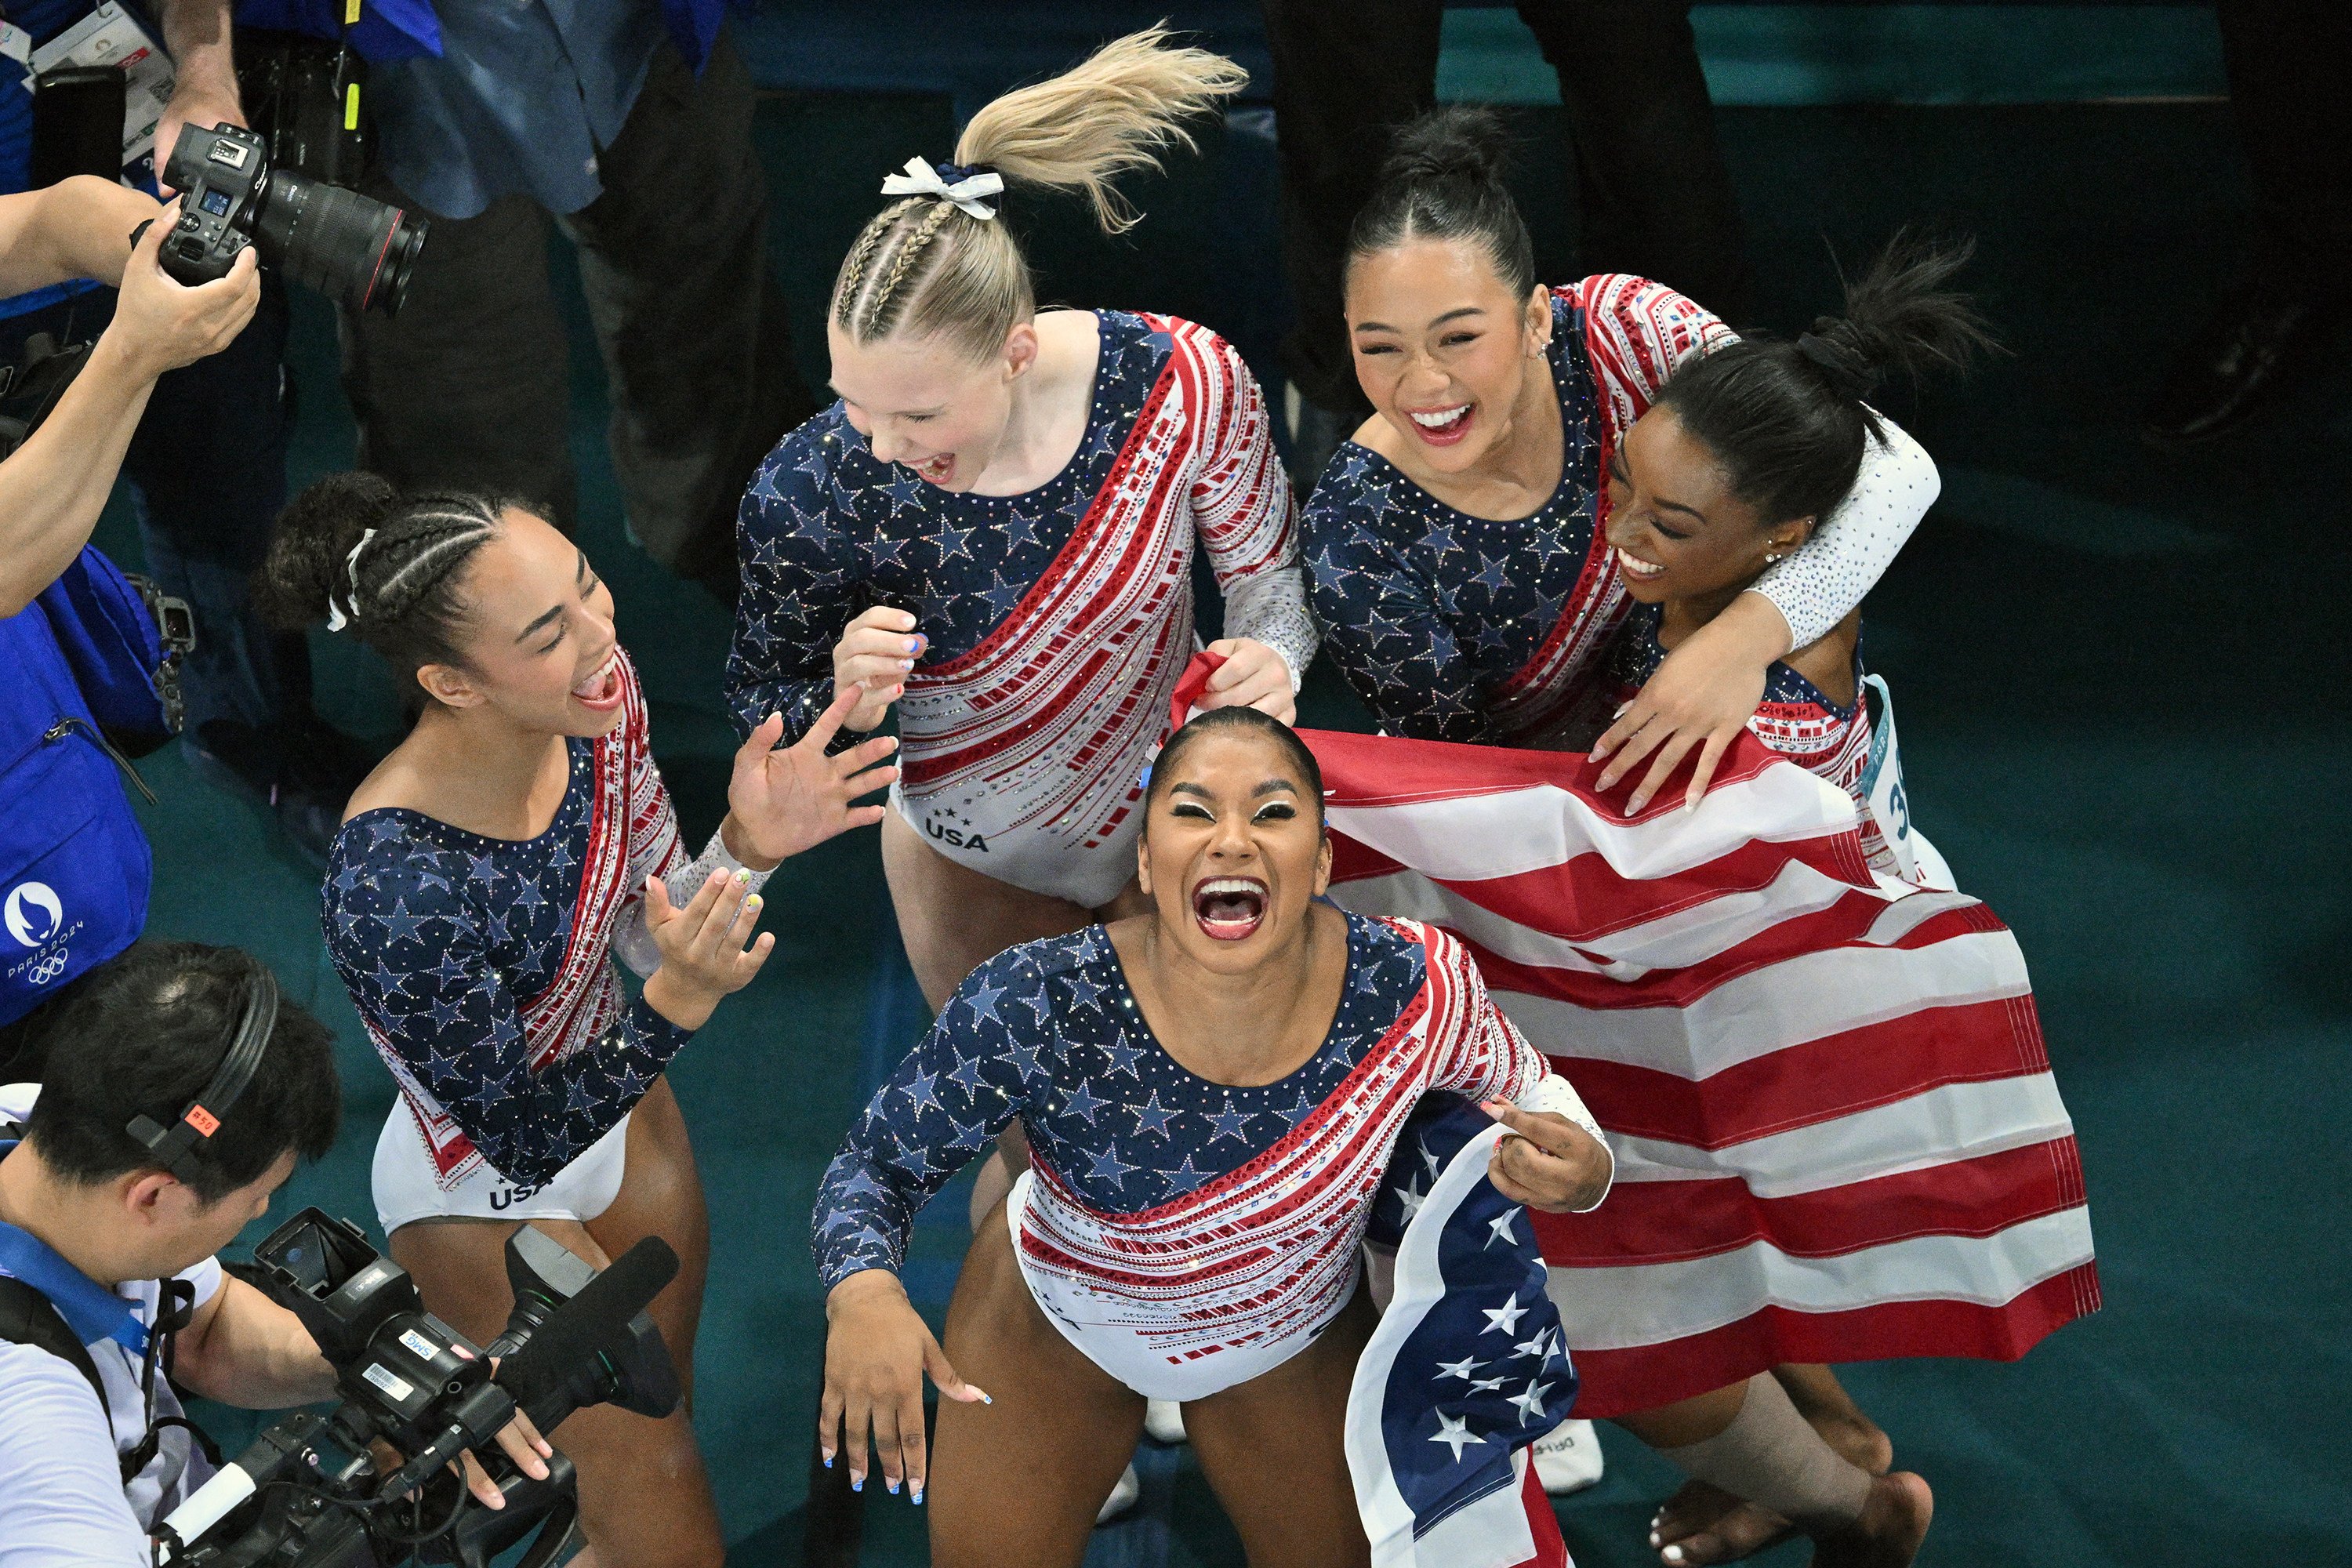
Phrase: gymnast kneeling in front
(1212, 1091)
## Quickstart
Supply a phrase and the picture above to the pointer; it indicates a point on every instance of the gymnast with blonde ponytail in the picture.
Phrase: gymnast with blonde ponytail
(992, 531)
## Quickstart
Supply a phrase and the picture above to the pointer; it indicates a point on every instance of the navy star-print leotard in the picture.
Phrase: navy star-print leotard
(1049, 1033)
(443, 935)
(1426, 609)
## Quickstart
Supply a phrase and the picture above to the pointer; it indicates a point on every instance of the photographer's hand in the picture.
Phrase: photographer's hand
(53, 487)
(203, 86)
(161, 324)
(877, 1350)
(522, 1443)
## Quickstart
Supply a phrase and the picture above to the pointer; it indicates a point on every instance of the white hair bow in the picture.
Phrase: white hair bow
(336, 619)
(922, 180)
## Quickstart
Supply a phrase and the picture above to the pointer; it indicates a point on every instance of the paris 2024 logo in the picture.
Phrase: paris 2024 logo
(35, 917)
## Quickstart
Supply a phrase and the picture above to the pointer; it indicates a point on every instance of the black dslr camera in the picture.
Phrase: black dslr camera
(310, 1493)
(342, 244)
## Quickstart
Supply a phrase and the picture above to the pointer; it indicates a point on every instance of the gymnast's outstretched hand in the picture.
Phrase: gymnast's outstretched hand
(785, 799)
(707, 948)
(1252, 676)
(1703, 696)
(877, 1350)
(1551, 1163)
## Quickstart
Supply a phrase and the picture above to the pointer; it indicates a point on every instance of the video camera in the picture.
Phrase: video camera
(346, 246)
(310, 1493)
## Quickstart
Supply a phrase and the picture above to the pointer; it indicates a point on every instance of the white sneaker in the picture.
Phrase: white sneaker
(1122, 1497)
(1163, 1419)
(1567, 1458)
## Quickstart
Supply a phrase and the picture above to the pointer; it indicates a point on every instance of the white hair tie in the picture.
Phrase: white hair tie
(949, 183)
(336, 619)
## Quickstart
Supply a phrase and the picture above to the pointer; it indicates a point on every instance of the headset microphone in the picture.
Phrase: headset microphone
(173, 1146)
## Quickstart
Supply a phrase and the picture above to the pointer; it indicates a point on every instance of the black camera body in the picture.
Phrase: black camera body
(310, 1491)
(344, 244)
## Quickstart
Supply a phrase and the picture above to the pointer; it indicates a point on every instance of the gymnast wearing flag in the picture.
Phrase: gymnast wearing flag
(486, 875)
(1473, 555)
(992, 532)
(1743, 451)
(1456, 548)
(1212, 1090)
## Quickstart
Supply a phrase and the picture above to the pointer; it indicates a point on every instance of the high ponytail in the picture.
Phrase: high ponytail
(1787, 420)
(352, 551)
(1442, 179)
(930, 267)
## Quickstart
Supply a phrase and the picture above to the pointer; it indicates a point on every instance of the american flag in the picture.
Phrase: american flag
(1837, 1133)
(1466, 1367)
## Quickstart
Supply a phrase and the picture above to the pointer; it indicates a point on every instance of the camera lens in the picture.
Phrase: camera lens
(344, 244)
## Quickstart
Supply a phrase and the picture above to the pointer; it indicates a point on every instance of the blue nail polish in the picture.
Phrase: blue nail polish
(986, 1400)
(857, 1483)
(916, 1497)
(828, 1461)
(892, 1485)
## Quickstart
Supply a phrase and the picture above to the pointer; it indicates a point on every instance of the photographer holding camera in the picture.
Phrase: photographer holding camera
(201, 434)
(152, 1141)
(54, 485)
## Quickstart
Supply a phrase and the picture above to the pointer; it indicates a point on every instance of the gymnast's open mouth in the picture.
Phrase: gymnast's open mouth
(1229, 908)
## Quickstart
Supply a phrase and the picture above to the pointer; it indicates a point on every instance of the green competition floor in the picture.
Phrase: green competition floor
(2122, 678)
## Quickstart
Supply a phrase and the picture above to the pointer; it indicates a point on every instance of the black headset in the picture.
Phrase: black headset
(173, 1146)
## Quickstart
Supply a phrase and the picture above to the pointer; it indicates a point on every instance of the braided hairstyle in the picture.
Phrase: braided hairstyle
(1442, 179)
(926, 267)
(399, 593)
(1787, 421)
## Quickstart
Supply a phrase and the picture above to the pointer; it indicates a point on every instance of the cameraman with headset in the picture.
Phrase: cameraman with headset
(178, 1093)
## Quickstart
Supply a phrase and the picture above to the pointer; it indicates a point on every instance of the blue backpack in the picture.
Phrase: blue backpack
(79, 685)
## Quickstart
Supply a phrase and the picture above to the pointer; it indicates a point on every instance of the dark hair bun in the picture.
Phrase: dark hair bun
(1902, 318)
(1458, 142)
(310, 546)
(1443, 179)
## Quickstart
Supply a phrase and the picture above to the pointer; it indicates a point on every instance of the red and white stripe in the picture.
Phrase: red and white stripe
(1836, 1129)
(1635, 334)
(632, 834)
(1034, 738)
(1213, 1286)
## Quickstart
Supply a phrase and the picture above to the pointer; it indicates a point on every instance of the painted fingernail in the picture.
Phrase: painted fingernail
(891, 1484)
(915, 1495)
(857, 1483)
(752, 902)
(1672, 1554)
(906, 664)
(828, 1461)
(986, 1400)
(914, 645)
(1654, 1540)
(743, 874)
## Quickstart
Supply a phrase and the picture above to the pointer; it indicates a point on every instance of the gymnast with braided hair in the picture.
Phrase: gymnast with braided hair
(486, 875)
(992, 532)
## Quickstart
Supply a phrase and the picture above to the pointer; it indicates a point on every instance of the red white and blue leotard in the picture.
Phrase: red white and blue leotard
(1455, 627)
(1797, 720)
(483, 971)
(1059, 620)
(1185, 1235)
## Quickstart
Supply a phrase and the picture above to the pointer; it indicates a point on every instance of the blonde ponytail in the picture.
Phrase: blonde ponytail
(925, 267)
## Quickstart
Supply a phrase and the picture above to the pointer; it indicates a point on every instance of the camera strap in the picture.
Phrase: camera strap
(27, 1318)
